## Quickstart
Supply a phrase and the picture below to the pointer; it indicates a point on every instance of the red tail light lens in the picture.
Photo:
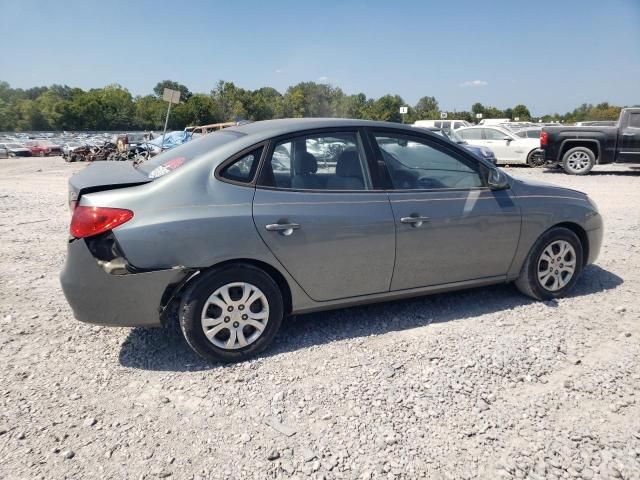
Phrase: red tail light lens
(89, 221)
(544, 138)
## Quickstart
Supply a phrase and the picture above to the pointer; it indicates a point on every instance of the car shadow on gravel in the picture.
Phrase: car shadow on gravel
(166, 350)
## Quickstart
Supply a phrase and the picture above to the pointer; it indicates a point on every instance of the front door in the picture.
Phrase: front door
(629, 139)
(504, 150)
(315, 209)
(449, 226)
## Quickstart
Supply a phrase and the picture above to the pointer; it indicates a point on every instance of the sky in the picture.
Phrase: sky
(551, 55)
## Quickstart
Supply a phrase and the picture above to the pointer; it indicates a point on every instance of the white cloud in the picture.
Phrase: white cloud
(278, 70)
(474, 83)
(323, 79)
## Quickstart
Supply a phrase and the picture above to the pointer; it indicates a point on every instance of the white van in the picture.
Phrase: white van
(446, 125)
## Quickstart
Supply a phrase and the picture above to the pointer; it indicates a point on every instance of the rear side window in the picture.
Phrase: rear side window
(171, 160)
(491, 134)
(471, 134)
(634, 120)
(243, 170)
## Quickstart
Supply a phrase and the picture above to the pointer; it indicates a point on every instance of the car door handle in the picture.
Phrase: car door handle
(415, 221)
(285, 229)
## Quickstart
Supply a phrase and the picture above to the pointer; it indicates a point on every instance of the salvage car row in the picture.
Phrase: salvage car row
(576, 149)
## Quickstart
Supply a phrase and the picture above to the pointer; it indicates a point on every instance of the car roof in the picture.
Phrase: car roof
(499, 127)
(272, 128)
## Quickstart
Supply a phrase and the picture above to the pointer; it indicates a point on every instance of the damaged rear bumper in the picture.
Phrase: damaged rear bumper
(98, 297)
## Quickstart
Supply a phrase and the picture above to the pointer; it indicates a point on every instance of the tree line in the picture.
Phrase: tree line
(60, 107)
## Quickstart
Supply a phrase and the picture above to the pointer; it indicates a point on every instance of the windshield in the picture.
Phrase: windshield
(451, 135)
(454, 137)
(171, 160)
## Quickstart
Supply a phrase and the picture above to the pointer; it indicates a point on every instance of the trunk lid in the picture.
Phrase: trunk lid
(100, 176)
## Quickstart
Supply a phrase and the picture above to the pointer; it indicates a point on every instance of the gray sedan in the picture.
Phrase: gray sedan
(231, 232)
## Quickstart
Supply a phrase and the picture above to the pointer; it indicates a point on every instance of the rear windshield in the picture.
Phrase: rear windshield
(170, 160)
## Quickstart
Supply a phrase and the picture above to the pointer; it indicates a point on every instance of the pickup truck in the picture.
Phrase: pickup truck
(577, 149)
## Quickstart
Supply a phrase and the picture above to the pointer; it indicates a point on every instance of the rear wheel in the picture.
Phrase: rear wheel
(231, 313)
(553, 265)
(578, 161)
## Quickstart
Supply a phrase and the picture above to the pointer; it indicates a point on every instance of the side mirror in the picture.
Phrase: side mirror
(508, 139)
(497, 179)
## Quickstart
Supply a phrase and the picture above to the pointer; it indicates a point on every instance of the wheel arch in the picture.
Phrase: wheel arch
(592, 145)
(581, 234)
(173, 293)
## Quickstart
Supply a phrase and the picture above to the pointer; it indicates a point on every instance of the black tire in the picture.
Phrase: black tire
(203, 286)
(528, 282)
(535, 161)
(578, 161)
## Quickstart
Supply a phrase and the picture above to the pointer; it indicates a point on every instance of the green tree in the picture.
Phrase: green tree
(477, 108)
(427, 109)
(149, 112)
(264, 104)
(522, 112)
(231, 101)
(387, 108)
(160, 86)
(200, 109)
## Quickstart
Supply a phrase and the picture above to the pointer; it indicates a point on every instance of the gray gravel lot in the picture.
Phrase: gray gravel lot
(477, 384)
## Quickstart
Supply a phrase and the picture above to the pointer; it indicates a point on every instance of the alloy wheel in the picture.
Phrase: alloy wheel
(578, 162)
(557, 265)
(235, 315)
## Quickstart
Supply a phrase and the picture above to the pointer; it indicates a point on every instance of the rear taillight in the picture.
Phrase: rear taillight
(89, 221)
(544, 138)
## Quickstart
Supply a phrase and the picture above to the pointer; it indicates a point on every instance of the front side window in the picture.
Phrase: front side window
(243, 169)
(471, 134)
(415, 164)
(634, 120)
(492, 134)
(330, 161)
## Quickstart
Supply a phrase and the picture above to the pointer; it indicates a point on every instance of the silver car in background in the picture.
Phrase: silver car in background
(231, 232)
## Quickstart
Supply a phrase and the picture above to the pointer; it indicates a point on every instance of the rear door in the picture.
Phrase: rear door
(449, 226)
(315, 208)
(629, 141)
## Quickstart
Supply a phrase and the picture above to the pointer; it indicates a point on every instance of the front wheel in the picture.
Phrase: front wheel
(553, 265)
(535, 159)
(232, 313)
(578, 161)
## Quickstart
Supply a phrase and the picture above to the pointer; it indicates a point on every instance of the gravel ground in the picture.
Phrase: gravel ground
(477, 384)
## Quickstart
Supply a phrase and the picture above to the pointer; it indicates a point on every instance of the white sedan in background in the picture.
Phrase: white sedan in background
(507, 146)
